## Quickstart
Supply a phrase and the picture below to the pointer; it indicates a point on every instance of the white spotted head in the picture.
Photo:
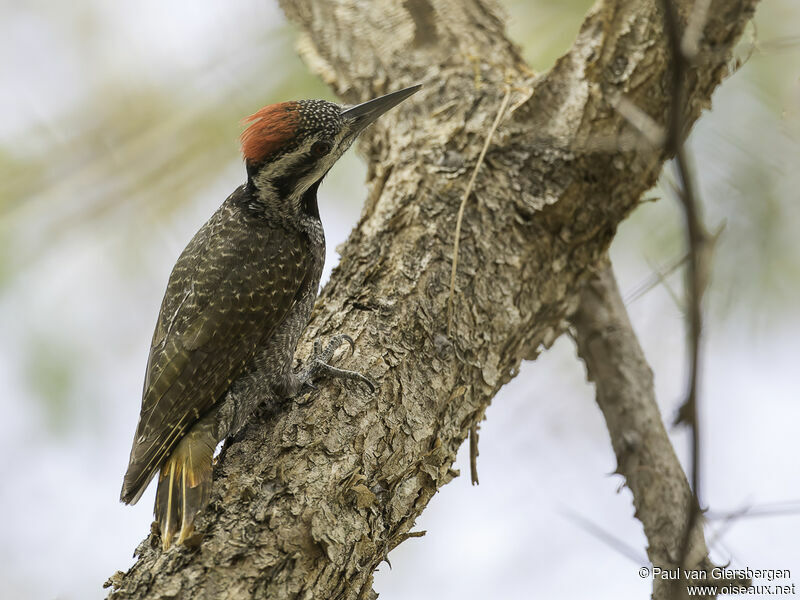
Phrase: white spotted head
(289, 147)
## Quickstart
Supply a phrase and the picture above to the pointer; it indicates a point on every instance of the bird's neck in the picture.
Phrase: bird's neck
(276, 205)
(309, 201)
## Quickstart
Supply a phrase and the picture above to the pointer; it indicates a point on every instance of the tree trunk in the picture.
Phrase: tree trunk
(309, 500)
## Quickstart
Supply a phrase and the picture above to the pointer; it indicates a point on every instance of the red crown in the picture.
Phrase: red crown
(271, 127)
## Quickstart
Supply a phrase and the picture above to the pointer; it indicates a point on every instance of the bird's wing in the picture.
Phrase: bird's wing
(223, 298)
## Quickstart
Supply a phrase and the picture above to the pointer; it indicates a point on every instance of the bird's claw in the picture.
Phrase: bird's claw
(318, 363)
(336, 341)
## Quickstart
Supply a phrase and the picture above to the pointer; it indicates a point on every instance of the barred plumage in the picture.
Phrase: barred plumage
(237, 300)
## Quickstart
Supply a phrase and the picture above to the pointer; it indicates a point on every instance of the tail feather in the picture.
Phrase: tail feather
(184, 485)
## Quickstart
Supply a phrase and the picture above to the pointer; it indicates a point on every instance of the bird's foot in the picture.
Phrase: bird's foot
(319, 364)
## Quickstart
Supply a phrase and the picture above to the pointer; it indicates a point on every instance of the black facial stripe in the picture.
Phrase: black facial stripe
(252, 168)
(285, 184)
(310, 200)
(277, 179)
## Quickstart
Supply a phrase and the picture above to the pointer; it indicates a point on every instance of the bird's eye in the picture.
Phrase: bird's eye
(320, 148)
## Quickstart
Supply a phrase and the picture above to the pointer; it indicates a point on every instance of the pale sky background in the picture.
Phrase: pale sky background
(118, 138)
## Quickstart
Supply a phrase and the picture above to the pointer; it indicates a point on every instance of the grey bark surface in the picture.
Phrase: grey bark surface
(309, 499)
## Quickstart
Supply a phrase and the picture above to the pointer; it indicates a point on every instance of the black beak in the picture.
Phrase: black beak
(363, 114)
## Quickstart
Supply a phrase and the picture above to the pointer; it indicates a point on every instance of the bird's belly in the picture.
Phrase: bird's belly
(274, 357)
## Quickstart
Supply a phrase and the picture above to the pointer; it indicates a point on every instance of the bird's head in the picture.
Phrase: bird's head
(289, 147)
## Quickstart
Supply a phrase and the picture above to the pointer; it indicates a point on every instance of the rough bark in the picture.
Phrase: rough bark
(308, 500)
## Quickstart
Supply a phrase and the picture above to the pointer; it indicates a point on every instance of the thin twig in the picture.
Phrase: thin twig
(644, 123)
(467, 192)
(775, 509)
(609, 539)
(473, 454)
(660, 273)
(697, 238)
(659, 276)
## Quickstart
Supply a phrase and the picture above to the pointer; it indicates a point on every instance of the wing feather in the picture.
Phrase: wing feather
(226, 294)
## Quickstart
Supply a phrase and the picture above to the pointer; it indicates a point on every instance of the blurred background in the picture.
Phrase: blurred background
(118, 138)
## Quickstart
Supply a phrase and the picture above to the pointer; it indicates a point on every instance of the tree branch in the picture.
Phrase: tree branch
(308, 501)
(645, 457)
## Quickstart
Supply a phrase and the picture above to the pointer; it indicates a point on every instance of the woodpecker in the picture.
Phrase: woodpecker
(236, 303)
